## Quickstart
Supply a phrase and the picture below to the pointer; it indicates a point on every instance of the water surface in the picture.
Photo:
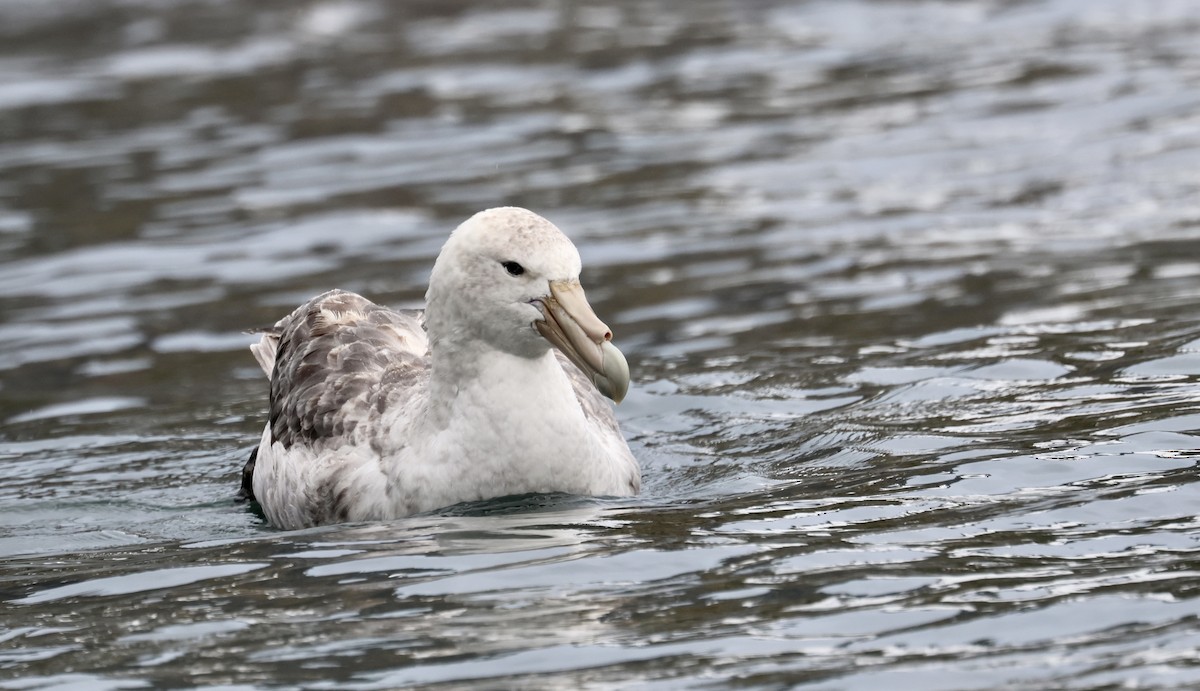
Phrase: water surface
(909, 290)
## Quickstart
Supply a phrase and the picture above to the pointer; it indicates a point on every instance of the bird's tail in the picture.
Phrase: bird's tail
(264, 351)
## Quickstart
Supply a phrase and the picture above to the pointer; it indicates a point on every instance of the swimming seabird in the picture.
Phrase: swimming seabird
(497, 388)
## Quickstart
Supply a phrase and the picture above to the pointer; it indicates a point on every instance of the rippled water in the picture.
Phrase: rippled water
(910, 291)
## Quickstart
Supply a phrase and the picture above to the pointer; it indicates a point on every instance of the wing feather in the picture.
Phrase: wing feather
(337, 358)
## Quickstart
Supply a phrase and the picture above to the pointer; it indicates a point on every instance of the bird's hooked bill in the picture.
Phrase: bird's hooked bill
(572, 327)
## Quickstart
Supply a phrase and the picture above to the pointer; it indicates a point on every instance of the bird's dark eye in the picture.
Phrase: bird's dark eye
(513, 268)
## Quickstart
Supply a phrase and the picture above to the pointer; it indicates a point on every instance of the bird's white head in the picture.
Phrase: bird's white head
(509, 278)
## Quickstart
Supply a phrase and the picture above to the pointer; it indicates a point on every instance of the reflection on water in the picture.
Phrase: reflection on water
(909, 290)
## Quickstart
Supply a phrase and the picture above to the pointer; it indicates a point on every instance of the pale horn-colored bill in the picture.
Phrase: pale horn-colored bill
(572, 327)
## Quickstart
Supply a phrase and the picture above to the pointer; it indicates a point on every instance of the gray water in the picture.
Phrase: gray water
(910, 290)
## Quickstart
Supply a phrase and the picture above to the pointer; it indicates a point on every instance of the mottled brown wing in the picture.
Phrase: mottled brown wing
(337, 357)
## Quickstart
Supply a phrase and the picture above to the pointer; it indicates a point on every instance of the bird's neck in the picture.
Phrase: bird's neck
(501, 403)
(515, 394)
(470, 373)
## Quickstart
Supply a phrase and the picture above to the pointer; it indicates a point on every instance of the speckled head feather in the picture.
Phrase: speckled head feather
(473, 294)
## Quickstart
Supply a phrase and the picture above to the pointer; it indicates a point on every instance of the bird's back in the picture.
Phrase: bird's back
(335, 363)
(336, 356)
